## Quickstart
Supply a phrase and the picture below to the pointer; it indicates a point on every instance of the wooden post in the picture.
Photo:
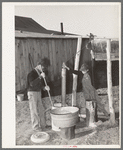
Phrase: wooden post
(76, 67)
(109, 78)
(93, 63)
(63, 96)
(93, 81)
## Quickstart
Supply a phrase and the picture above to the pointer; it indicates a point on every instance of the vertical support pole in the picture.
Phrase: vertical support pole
(76, 67)
(93, 63)
(109, 78)
(93, 81)
(63, 97)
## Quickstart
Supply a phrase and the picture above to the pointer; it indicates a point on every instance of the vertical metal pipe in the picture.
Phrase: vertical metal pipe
(61, 28)
(63, 96)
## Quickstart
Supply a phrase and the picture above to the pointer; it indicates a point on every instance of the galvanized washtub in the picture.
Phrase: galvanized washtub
(65, 116)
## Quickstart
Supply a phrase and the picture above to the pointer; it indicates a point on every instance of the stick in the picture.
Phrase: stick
(77, 58)
(44, 81)
(47, 90)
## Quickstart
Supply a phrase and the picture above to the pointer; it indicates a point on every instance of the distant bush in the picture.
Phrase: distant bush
(115, 46)
(100, 46)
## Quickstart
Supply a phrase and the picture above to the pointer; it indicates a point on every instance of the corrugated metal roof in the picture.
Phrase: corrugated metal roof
(29, 25)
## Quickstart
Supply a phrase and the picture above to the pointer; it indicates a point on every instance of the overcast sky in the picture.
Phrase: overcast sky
(101, 20)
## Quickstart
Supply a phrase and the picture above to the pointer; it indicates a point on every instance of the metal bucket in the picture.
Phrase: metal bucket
(65, 116)
(56, 105)
(20, 97)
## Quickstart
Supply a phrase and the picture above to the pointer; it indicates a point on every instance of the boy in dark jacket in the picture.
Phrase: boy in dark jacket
(88, 90)
(35, 84)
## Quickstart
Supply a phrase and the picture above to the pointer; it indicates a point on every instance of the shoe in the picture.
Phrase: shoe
(47, 126)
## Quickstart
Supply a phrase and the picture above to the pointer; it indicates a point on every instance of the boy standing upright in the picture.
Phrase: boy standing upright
(88, 90)
(35, 85)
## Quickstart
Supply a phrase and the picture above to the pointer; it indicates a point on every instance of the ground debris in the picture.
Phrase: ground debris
(103, 134)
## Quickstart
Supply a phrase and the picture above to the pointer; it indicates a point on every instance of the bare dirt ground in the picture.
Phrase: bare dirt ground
(103, 134)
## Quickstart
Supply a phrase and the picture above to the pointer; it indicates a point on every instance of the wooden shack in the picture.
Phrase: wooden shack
(32, 39)
(56, 48)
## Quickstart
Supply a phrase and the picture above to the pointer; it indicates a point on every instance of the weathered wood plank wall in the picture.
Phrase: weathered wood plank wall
(56, 50)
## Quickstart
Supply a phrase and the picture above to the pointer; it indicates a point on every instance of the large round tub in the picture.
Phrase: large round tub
(65, 116)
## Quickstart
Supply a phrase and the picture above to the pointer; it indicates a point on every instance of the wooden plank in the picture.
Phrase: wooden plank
(51, 74)
(54, 58)
(17, 80)
(31, 51)
(24, 63)
(33, 54)
(27, 51)
(19, 65)
(41, 35)
(45, 53)
(20, 50)
(65, 49)
(22, 67)
(58, 58)
(109, 77)
(70, 52)
(76, 67)
(103, 56)
(35, 50)
(19, 68)
(41, 50)
(74, 49)
(62, 52)
(38, 50)
(26, 59)
(48, 58)
(44, 47)
(60, 49)
(16, 75)
(112, 59)
(75, 42)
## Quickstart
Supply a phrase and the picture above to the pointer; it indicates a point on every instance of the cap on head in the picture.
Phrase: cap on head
(44, 62)
(84, 67)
